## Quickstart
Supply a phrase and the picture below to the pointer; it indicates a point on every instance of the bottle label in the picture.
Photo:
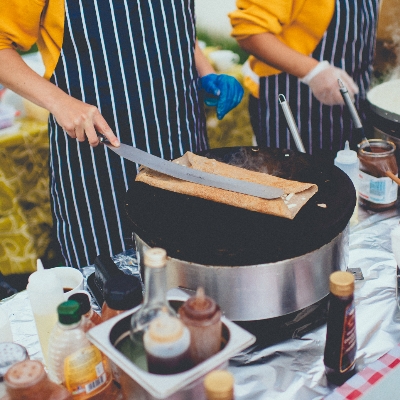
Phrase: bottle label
(377, 190)
(84, 371)
(348, 346)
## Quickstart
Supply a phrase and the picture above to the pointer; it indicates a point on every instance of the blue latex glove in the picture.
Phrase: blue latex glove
(222, 91)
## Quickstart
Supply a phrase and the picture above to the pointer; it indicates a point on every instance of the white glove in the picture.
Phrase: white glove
(323, 82)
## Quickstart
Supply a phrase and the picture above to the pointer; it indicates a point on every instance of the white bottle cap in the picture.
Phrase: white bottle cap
(346, 156)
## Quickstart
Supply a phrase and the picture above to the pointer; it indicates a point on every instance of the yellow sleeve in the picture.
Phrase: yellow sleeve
(20, 23)
(26, 22)
(253, 17)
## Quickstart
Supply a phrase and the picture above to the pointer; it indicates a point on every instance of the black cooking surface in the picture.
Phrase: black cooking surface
(205, 232)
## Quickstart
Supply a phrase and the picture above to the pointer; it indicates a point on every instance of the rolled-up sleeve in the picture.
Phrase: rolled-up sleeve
(253, 17)
(20, 23)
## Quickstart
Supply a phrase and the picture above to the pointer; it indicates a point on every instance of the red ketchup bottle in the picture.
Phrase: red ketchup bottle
(202, 315)
(341, 345)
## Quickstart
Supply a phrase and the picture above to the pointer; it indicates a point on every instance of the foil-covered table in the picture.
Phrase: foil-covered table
(293, 369)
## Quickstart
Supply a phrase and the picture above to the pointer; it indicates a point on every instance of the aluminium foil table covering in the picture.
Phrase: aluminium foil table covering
(292, 369)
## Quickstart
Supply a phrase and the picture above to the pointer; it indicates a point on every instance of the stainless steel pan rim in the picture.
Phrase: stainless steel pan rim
(258, 292)
(381, 88)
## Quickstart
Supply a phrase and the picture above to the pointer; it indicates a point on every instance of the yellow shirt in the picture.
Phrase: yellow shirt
(300, 24)
(26, 22)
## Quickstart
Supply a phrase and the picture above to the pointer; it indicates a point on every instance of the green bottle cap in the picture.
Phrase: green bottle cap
(69, 312)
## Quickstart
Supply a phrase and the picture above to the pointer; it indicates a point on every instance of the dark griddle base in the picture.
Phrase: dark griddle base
(293, 325)
(201, 231)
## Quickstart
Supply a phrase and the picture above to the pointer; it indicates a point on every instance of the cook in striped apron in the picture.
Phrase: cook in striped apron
(347, 44)
(134, 60)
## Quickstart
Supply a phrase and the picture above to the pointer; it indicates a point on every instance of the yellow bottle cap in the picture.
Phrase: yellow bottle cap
(155, 258)
(218, 385)
(341, 283)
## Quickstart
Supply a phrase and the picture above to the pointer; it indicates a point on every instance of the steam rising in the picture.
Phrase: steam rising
(263, 162)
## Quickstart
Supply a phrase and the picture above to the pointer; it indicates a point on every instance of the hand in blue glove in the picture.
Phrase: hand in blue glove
(222, 91)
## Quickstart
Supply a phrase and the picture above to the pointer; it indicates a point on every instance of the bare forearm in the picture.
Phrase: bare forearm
(17, 76)
(78, 119)
(202, 64)
(272, 51)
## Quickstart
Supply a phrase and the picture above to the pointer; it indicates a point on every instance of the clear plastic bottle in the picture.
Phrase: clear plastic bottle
(167, 346)
(155, 299)
(28, 380)
(74, 361)
(45, 294)
(347, 161)
(202, 315)
(219, 385)
(121, 293)
(90, 318)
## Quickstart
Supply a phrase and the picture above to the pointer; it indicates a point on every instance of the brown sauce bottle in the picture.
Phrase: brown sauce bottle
(90, 318)
(167, 343)
(202, 315)
(341, 345)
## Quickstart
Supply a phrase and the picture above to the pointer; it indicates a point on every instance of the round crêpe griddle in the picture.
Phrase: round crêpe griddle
(205, 232)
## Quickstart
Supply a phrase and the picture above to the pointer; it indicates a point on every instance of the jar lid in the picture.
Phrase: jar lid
(155, 258)
(123, 292)
(69, 312)
(341, 283)
(83, 300)
(25, 374)
(218, 385)
(11, 353)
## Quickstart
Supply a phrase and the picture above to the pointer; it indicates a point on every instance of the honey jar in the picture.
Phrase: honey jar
(376, 190)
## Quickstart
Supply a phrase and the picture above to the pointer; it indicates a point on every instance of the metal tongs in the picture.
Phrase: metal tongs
(354, 114)
(291, 123)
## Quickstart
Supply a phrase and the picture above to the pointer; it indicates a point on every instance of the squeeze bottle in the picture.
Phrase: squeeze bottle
(90, 318)
(202, 315)
(348, 162)
(45, 294)
(74, 361)
(166, 343)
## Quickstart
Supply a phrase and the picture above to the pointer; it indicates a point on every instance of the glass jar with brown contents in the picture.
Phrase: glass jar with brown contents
(376, 190)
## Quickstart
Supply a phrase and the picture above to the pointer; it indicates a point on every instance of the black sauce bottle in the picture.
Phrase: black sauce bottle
(341, 345)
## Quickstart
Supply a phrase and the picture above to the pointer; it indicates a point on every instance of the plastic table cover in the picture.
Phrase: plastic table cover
(292, 369)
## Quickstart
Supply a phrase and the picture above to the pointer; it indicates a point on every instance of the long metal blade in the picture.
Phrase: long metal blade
(192, 175)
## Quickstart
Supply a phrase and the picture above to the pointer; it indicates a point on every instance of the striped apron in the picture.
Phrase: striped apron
(134, 60)
(349, 44)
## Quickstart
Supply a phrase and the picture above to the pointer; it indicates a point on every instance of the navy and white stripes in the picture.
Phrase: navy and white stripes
(134, 60)
(348, 44)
